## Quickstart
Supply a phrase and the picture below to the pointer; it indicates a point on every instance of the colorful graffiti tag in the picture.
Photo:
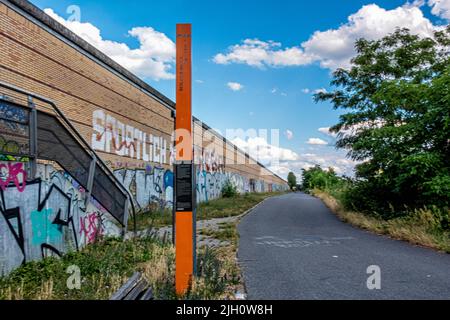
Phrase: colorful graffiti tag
(47, 217)
(154, 185)
(148, 186)
(11, 172)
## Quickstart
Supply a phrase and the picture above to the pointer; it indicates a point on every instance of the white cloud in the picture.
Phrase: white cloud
(440, 8)
(289, 134)
(335, 47)
(261, 150)
(327, 132)
(257, 53)
(274, 90)
(351, 130)
(199, 81)
(235, 86)
(153, 59)
(335, 159)
(317, 142)
(306, 91)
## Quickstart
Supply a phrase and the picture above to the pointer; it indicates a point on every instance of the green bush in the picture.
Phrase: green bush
(229, 190)
(326, 180)
(374, 198)
(396, 119)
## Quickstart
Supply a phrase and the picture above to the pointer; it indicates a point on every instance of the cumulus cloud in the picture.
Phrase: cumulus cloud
(440, 8)
(282, 160)
(335, 159)
(154, 59)
(334, 48)
(257, 53)
(317, 142)
(327, 132)
(261, 150)
(235, 86)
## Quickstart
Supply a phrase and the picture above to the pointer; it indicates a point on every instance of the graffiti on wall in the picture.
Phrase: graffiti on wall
(208, 160)
(149, 186)
(46, 217)
(154, 186)
(13, 172)
(113, 136)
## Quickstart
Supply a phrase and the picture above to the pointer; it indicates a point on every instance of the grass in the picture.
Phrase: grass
(219, 208)
(226, 232)
(108, 264)
(155, 218)
(419, 228)
(227, 257)
(104, 267)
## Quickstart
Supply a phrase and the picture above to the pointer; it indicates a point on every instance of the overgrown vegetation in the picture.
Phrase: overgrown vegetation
(225, 232)
(104, 266)
(396, 125)
(229, 190)
(292, 181)
(153, 218)
(425, 226)
(218, 208)
(107, 265)
(230, 207)
(224, 259)
(397, 122)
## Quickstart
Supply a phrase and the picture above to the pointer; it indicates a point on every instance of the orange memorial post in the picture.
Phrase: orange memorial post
(185, 242)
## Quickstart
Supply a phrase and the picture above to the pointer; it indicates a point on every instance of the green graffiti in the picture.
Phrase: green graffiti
(44, 231)
(8, 158)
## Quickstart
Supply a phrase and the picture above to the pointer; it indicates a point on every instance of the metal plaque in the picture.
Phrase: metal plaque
(184, 188)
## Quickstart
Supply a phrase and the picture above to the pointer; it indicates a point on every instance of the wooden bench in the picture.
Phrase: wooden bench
(135, 288)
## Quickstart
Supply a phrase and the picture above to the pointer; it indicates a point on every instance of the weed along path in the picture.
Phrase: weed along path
(294, 247)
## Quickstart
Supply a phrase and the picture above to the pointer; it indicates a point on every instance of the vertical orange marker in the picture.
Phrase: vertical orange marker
(184, 169)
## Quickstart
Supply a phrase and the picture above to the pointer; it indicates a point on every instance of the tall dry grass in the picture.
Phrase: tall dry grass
(420, 228)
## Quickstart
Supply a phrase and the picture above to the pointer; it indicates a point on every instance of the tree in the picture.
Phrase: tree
(317, 178)
(397, 98)
(292, 180)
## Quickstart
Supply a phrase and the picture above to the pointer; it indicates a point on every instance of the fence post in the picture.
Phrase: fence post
(33, 137)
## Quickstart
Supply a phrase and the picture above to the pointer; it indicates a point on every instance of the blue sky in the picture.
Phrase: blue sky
(290, 50)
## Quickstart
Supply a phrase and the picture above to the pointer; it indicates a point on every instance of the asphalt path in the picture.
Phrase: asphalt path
(293, 247)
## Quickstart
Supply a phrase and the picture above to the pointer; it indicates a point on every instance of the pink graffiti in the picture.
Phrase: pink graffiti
(91, 226)
(15, 173)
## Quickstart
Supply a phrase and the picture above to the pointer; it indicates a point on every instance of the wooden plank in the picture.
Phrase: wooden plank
(137, 291)
(148, 295)
(127, 287)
